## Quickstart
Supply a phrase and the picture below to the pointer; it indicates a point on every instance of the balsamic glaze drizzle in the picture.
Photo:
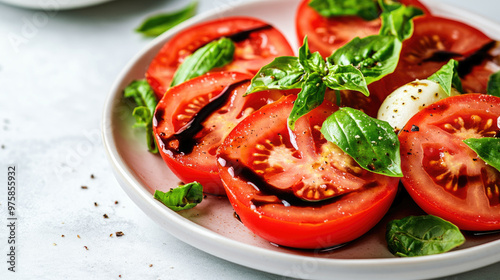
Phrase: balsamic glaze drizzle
(245, 34)
(465, 66)
(186, 136)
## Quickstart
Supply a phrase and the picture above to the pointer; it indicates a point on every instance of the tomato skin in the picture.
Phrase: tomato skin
(178, 108)
(441, 173)
(312, 235)
(250, 54)
(292, 223)
(328, 34)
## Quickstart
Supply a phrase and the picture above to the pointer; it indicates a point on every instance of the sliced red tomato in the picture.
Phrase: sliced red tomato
(257, 44)
(441, 173)
(477, 76)
(193, 118)
(299, 191)
(325, 35)
(434, 42)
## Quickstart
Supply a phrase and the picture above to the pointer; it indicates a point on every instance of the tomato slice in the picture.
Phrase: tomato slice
(441, 173)
(325, 35)
(193, 118)
(435, 40)
(299, 191)
(257, 44)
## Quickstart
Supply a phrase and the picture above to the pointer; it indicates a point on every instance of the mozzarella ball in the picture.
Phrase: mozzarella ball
(407, 100)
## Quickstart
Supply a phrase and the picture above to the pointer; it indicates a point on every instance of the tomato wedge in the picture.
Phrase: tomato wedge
(325, 35)
(257, 44)
(301, 192)
(441, 173)
(434, 42)
(193, 118)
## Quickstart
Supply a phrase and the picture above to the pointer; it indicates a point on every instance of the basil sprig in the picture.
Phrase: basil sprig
(367, 9)
(494, 84)
(181, 198)
(370, 142)
(487, 148)
(214, 54)
(351, 67)
(422, 235)
(143, 95)
(157, 24)
(447, 77)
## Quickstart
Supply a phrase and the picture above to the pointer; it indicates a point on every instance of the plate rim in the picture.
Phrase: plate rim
(241, 253)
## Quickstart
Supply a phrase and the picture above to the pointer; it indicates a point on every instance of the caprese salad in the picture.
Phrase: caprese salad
(310, 149)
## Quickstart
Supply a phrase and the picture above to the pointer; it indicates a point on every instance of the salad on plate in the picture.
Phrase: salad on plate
(314, 147)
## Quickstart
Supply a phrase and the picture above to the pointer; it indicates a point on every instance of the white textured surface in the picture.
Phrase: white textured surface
(54, 79)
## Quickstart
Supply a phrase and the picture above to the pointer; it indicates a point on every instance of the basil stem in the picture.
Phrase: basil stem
(143, 95)
(181, 198)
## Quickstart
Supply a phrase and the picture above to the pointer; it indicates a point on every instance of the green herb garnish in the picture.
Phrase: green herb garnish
(367, 9)
(157, 24)
(351, 67)
(447, 77)
(143, 95)
(422, 235)
(214, 54)
(370, 142)
(494, 84)
(487, 148)
(181, 198)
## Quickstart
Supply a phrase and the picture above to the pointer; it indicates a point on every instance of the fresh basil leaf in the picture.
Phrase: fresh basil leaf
(375, 56)
(487, 148)
(284, 72)
(214, 54)
(396, 20)
(494, 84)
(156, 25)
(367, 9)
(311, 62)
(447, 77)
(181, 198)
(422, 235)
(370, 142)
(310, 97)
(346, 77)
(143, 95)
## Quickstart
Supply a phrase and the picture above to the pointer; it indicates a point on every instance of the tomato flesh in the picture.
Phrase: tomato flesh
(442, 174)
(193, 118)
(299, 191)
(434, 42)
(252, 49)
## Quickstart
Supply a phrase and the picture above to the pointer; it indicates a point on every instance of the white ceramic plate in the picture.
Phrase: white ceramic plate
(211, 225)
(54, 5)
